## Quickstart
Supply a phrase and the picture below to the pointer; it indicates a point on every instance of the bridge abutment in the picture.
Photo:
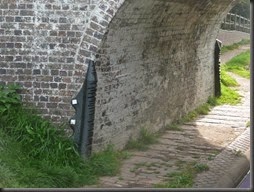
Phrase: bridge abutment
(154, 59)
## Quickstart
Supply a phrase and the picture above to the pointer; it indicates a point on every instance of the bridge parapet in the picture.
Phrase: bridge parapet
(236, 22)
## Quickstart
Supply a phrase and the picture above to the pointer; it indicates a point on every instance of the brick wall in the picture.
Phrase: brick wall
(154, 58)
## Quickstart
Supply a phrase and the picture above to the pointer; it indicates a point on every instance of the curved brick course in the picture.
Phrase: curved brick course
(154, 58)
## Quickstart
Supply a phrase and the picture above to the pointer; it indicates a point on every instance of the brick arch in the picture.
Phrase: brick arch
(155, 64)
(46, 45)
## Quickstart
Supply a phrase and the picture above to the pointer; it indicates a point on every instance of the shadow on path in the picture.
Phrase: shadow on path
(219, 139)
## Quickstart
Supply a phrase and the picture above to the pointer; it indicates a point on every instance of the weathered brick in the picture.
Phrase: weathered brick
(44, 85)
(26, 13)
(29, 6)
(2, 71)
(62, 86)
(64, 27)
(70, 60)
(3, 6)
(54, 72)
(62, 20)
(53, 85)
(18, 45)
(8, 58)
(44, 98)
(65, 7)
(53, 33)
(17, 32)
(36, 72)
(63, 73)
(62, 33)
(9, 19)
(2, 31)
(21, 6)
(55, 99)
(9, 45)
(51, 105)
(71, 34)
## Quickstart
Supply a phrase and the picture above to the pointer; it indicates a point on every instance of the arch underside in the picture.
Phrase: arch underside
(155, 64)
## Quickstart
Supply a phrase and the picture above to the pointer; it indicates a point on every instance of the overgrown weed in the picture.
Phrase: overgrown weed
(143, 141)
(184, 178)
(239, 65)
(35, 153)
(234, 46)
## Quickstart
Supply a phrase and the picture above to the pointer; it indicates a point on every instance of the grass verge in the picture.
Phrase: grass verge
(227, 80)
(239, 65)
(36, 154)
(184, 178)
(142, 143)
(229, 96)
(227, 48)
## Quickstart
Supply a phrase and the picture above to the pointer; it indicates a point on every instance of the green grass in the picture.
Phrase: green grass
(18, 169)
(201, 110)
(173, 127)
(213, 154)
(184, 178)
(142, 143)
(227, 48)
(36, 154)
(229, 96)
(239, 65)
(227, 80)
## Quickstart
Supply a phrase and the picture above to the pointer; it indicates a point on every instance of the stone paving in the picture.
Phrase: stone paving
(223, 162)
(215, 139)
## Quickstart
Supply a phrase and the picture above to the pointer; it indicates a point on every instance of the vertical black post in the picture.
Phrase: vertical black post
(217, 68)
(83, 120)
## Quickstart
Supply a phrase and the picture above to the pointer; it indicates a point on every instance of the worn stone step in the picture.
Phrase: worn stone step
(232, 108)
(230, 114)
(226, 122)
(209, 124)
(224, 117)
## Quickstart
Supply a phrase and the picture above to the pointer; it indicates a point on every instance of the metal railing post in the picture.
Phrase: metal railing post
(217, 78)
(82, 122)
(234, 22)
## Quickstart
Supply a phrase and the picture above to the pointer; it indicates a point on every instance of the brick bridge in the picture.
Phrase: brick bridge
(154, 58)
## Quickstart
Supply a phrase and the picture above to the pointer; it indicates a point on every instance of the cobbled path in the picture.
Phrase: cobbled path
(213, 139)
(239, 115)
